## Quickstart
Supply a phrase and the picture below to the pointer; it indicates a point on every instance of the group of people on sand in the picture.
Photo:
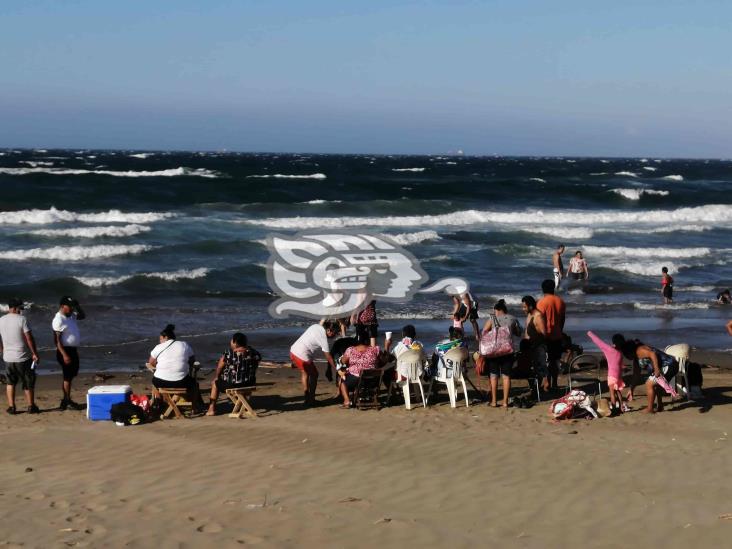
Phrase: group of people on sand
(21, 355)
(540, 347)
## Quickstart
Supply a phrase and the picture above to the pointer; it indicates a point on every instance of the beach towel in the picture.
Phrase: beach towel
(574, 404)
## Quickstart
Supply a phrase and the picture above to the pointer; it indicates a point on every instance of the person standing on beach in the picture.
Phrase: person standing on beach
(535, 335)
(553, 309)
(366, 321)
(667, 286)
(557, 264)
(19, 354)
(67, 337)
(303, 352)
(729, 327)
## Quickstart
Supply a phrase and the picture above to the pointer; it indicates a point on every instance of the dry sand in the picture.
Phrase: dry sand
(433, 477)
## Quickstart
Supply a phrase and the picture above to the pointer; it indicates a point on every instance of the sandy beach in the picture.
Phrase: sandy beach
(325, 476)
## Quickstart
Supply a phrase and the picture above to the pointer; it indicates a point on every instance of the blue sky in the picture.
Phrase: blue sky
(622, 78)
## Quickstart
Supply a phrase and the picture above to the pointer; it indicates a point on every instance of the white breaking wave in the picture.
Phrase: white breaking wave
(321, 201)
(173, 172)
(537, 179)
(673, 177)
(670, 306)
(73, 253)
(635, 194)
(405, 239)
(718, 214)
(52, 215)
(573, 233)
(702, 289)
(98, 282)
(649, 168)
(627, 174)
(35, 164)
(408, 169)
(95, 232)
(645, 268)
(621, 251)
(140, 155)
(289, 176)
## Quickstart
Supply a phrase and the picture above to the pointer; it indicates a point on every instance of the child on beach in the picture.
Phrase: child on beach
(615, 382)
(667, 286)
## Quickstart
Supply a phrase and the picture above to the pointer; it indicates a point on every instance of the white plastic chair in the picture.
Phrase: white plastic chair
(449, 371)
(410, 365)
(680, 352)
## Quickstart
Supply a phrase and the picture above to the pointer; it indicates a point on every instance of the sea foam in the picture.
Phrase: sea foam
(288, 176)
(719, 214)
(635, 194)
(173, 172)
(406, 239)
(52, 215)
(183, 274)
(408, 169)
(73, 253)
(95, 232)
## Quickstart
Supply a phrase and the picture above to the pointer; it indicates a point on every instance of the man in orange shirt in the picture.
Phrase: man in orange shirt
(553, 309)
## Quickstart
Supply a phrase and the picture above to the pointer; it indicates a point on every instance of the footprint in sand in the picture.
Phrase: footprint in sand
(210, 528)
(61, 504)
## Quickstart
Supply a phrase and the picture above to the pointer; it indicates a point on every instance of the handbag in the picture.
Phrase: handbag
(497, 342)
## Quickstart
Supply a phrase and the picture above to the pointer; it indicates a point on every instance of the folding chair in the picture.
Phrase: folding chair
(584, 369)
(450, 370)
(175, 399)
(410, 366)
(239, 397)
(366, 394)
(680, 352)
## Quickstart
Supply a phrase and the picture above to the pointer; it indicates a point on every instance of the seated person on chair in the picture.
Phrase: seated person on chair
(172, 361)
(408, 342)
(237, 368)
(455, 339)
(358, 358)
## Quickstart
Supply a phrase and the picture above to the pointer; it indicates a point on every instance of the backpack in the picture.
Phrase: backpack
(127, 413)
(497, 342)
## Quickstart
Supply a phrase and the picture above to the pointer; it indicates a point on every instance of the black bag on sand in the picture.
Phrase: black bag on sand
(128, 413)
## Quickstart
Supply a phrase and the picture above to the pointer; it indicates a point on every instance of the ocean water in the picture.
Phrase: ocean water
(145, 238)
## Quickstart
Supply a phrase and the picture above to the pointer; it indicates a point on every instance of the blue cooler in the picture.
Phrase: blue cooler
(99, 400)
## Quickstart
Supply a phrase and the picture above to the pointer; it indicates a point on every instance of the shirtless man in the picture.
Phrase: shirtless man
(558, 267)
(729, 327)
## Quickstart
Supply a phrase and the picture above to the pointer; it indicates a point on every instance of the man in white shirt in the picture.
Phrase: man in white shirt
(67, 338)
(19, 354)
(302, 354)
